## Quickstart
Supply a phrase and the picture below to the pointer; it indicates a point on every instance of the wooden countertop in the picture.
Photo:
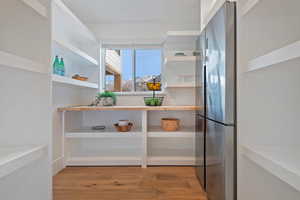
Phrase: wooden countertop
(157, 108)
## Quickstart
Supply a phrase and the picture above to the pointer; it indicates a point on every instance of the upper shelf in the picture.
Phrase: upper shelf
(73, 53)
(70, 81)
(182, 36)
(65, 18)
(283, 54)
(180, 59)
(14, 61)
(282, 162)
(37, 6)
(149, 108)
(14, 158)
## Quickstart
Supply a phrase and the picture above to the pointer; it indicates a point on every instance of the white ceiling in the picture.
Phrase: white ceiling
(140, 21)
(135, 11)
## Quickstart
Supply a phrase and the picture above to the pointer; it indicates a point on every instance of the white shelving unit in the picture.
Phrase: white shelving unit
(73, 82)
(146, 144)
(178, 69)
(10, 60)
(14, 158)
(282, 162)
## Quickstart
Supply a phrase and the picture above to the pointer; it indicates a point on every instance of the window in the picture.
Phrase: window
(129, 69)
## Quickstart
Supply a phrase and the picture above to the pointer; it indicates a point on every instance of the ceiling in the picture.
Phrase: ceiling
(136, 21)
(135, 11)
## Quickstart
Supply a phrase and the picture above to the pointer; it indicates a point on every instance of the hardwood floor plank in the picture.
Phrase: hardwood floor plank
(127, 183)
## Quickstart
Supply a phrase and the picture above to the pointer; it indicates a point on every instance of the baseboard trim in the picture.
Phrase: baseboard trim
(57, 165)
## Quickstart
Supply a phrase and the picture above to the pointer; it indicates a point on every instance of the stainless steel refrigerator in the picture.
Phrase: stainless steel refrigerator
(216, 123)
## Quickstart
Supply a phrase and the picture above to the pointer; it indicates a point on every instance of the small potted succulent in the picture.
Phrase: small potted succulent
(107, 98)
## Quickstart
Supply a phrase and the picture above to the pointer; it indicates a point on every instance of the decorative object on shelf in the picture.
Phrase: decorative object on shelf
(98, 128)
(170, 124)
(59, 66)
(80, 78)
(123, 122)
(196, 53)
(153, 101)
(56, 66)
(62, 67)
(106, 98)
(180, 54)
(154, 86)
(126, 128)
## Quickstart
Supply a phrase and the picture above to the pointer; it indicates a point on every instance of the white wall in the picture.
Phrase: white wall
(268, 99)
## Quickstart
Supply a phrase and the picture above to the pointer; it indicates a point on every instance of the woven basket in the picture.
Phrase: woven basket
(123, 128)
(170, 124)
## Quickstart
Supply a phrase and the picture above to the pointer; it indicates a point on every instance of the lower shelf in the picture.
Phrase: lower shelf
(184, 132)
(129, 161)
(103, 161)
(163, 160)
(282, 162)
(108, 133)
(14, 158)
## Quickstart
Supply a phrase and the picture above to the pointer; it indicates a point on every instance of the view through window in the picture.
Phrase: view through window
(128, 70)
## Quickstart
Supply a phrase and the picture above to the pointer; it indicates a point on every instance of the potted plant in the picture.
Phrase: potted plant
(107, 98)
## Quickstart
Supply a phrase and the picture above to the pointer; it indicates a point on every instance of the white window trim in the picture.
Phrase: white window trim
(132, 93)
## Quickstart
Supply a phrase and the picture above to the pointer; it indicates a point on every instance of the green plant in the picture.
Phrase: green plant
(107, 94)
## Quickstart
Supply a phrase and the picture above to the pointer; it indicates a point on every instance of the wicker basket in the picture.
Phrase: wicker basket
(123, 128)
(170, 124)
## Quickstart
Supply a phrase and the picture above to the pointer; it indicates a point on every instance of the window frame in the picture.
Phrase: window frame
(134, 48)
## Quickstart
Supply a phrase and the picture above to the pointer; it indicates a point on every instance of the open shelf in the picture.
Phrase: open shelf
(180, 86)
(170, 160)
(107, 133)
(182, 36)
(282, 162)
(37, 6)
(14, 61)
(103, 161)
(74, 54)
(180, 59)
(70, 81)
(14, 158)
(283, 54)
(184, 132)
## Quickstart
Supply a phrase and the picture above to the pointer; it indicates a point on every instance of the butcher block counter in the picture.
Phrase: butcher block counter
(142, 108)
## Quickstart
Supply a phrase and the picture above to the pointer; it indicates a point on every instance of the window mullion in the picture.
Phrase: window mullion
(134, 70)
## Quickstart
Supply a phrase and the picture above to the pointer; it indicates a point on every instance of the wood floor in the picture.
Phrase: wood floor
(127, 183)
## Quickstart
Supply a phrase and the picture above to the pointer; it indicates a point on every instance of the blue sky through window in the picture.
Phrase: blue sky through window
(148, 62)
